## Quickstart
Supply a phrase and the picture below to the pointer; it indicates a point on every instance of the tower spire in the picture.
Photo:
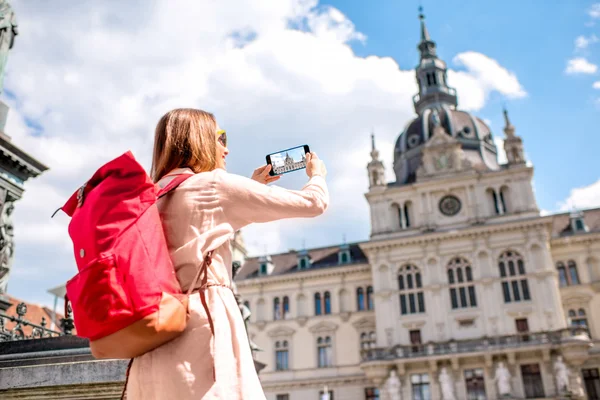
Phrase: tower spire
(375, 167)
(513, 144)
(431, 75)
(424, 32)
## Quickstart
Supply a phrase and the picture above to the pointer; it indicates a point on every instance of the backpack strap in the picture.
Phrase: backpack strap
(173, 184)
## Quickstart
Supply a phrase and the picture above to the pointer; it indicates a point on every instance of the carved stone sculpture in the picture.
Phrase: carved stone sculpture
(562, 375)
(447, 385)
(502, 379)
(6, 244)
(392, 386)
(8, 31)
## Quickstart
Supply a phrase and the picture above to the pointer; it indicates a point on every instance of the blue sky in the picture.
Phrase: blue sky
(559, 117)
(278, 73)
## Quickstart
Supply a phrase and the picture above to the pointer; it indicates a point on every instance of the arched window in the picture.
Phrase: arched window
(567, 276)
(370, 304)
(412, 299)
(286, 307)
(573, 275)
(562, 274)
(503, 194)
(495, 200)
(324, 352)
(460, 279)
(318, 310)
(303, 263)
(281, 355)
(327, 299)
(276, 309)
(360, 299)
(407, 207)
(578, 318)
(514, 282)
(344, 257)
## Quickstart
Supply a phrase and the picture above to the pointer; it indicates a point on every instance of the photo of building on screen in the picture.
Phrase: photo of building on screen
(286, 163)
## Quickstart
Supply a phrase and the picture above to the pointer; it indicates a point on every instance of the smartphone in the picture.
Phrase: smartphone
(288, 160)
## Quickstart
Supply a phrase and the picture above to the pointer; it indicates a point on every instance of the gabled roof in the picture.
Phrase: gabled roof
(561, 223)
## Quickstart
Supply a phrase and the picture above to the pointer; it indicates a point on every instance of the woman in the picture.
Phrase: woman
(212, 358)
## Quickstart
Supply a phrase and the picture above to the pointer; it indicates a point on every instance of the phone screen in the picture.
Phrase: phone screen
(288, 160)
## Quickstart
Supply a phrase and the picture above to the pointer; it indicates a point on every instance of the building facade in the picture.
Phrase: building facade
(463, 291)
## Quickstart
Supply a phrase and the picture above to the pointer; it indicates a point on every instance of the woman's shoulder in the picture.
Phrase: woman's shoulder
(218, 177)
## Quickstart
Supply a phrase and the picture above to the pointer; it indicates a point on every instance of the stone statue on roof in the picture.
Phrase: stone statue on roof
(8, 31)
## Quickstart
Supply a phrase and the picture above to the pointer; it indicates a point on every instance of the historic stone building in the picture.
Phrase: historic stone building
(464, 291)
(289, 164)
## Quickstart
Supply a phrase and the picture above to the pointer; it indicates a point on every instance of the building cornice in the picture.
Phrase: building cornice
(308, 274)
(472, 232)
(448, 181)
(585, 239)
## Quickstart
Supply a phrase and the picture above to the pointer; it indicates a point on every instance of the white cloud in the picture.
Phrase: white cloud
(596, 85)
(276, 73)
(582, 197)
(580, 65)
(594, 10)
(483, 76)
(582, 42)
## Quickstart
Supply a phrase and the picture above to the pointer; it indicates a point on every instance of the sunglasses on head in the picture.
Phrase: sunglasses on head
(222, 137)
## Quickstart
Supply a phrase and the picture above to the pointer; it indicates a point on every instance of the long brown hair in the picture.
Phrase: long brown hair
(184, 137)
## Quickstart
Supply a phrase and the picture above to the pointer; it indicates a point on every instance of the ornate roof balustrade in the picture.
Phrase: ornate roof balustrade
(487, 344)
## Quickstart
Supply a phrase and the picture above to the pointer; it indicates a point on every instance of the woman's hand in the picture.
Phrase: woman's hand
(315, 166)
(261, 175)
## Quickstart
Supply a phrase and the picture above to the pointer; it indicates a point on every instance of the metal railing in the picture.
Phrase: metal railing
(18, 330)
(497, 343)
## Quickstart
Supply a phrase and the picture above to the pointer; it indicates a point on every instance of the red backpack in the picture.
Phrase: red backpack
(126, 298)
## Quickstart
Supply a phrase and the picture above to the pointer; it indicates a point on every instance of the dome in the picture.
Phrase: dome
(473, 134)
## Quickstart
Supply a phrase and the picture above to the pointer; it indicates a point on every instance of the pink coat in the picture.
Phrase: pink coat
(202, 215)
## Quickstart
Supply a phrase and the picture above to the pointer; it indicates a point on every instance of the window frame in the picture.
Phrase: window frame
(411, 290)
(282, 347)
(513, 277)
(461, 286)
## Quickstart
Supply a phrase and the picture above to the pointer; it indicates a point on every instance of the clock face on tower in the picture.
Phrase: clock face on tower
(450, 205)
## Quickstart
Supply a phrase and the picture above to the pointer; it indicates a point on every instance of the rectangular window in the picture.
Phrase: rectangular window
(421, 301)
(523, 328)
(371, 393)
(411, 301)
(463, 297)
(403, 309)
(281, 360)
(282, 397)
(415, 340)
(453, 298)
(326, 396)
(263, 269)
(525, 288)
(420, 387)
(515, 288)
(475, 384)
(532, 381)
(472, 296)
(506, 292)
(591, 377)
